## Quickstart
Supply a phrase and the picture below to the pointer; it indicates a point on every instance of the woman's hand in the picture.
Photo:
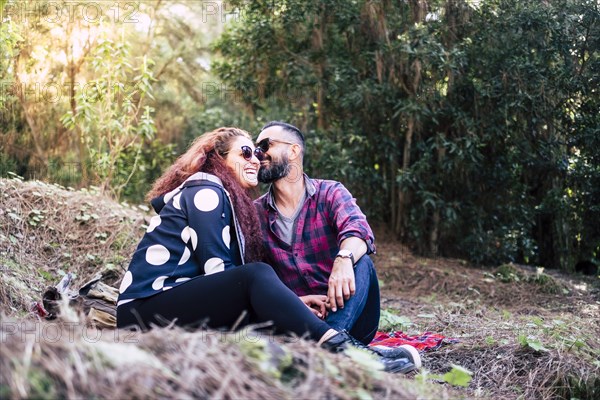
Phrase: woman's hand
(316, 304)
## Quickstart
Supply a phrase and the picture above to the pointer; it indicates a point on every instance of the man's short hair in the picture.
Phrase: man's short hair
(287, 128)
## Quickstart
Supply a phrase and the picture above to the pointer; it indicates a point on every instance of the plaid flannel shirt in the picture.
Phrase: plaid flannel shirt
(329, 215)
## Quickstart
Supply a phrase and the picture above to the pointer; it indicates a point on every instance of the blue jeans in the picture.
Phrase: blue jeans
(360, 315)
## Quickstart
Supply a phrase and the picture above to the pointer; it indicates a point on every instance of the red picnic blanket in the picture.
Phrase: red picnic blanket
(427, 341)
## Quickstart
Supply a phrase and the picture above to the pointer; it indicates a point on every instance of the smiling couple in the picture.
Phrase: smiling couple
(297, 256)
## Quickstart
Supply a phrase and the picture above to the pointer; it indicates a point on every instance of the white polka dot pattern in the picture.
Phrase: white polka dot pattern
(188, 233)
(170, 195)
(126, 282)
(121, 302)
(194, 238)
(206, 200)
(178, 261)
(176, 200)
(157, 255)
(214, 265)
(159, 282)
(185, 234)
(154, 222)
(226, 236)
(185, 256)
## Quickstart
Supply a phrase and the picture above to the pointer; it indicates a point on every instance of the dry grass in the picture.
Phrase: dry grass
(47, 230)
(173, 363)
(501, 318)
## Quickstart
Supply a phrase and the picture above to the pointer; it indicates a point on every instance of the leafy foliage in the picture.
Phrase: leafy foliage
(87, 98)
(389, 321)
(475, 123)
(457, 376)
(114, 118)
(469, 128)
(533, 343)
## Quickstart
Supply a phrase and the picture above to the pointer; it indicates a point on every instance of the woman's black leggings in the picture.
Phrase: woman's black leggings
(220, 299)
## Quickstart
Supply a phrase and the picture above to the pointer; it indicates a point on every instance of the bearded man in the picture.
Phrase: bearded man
(316, 237)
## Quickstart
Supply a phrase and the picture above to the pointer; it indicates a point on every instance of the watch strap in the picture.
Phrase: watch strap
(349, 255)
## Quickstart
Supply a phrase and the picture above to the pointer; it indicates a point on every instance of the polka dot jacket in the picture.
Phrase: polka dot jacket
(195, 233)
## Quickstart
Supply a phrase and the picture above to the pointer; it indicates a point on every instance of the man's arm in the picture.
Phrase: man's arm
(347, 217)
(341, 281)
(354, 234)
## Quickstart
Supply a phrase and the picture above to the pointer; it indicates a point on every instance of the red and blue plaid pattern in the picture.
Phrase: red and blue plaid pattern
(427, 341)
(329, 215)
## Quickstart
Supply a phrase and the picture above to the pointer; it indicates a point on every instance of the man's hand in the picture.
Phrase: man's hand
(341, 283)
(316, 304)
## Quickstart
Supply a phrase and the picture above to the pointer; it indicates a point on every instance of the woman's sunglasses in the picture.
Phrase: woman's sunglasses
(263, 146)
(247, 153)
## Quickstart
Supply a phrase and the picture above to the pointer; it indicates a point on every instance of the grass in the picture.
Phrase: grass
(174, 363)
(524, 332)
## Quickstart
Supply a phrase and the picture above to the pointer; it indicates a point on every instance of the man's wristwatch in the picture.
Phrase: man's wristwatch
(346, 254)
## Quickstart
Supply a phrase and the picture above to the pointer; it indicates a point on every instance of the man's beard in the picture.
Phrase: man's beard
(275, 171)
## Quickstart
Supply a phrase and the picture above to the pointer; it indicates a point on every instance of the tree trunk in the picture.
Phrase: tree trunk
(317, 42)
(436, 218)
(38, 151)
(393, 191)
(402, 195)
(80, 139)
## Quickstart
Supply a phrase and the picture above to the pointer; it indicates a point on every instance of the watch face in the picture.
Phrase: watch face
(345, 253)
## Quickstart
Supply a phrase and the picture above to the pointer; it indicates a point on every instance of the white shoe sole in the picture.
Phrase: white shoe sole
(416, 358)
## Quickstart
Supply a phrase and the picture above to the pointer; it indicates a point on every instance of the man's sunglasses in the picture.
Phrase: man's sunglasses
(263, 146)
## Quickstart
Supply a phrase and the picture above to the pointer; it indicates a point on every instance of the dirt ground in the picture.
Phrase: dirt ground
(500, 316)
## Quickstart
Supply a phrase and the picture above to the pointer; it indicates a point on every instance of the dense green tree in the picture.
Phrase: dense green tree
(467, 127)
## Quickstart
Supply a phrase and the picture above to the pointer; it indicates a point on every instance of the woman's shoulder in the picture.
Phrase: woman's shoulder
(203, 195)
(193, 188)
(200, 178)
(200, 181)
